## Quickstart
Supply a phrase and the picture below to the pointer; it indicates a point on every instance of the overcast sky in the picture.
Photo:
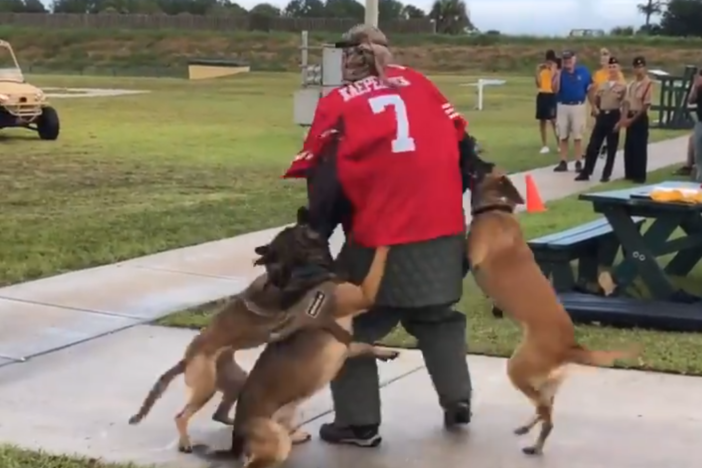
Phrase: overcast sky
(547, 17)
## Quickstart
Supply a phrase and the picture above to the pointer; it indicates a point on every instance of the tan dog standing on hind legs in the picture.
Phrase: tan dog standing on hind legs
(271, 308)
(504, 268)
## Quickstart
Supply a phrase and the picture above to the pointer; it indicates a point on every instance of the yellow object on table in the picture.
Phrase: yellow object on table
(684, 195)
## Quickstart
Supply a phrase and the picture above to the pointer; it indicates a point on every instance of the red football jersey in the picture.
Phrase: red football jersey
(328, 113)
(397, 160)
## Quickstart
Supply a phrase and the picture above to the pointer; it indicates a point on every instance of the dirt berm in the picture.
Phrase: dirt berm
(84, 49)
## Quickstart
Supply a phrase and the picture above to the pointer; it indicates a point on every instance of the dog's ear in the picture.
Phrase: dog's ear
(509, 191)
(262, 251)
(303, 215)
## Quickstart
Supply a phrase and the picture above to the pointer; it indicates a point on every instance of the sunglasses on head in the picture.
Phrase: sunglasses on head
(346, 44)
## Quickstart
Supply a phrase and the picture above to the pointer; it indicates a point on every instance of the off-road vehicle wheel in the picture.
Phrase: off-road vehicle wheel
(48, 125)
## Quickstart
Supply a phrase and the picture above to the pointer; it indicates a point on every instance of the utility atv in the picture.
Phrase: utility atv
(21, 104)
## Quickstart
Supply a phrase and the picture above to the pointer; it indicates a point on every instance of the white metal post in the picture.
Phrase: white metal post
(372, 13)
(480, 94)
(304, 54)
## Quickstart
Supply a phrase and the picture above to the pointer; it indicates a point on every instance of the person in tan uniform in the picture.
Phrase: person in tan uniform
(603, 76)
(608, 100)
(689, 169)
(635, 120)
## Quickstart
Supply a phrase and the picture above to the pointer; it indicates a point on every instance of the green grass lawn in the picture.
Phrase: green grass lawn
(14, 457)
(187, 163)
(668, 352)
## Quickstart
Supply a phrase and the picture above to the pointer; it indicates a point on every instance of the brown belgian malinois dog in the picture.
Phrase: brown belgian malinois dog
(290, 371)
(273, 307)
(504, 268)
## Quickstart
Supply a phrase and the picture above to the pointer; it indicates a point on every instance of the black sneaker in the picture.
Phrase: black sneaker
(561, 167)
(582, 177)
(366, 436)
(604, 179)
(578, 166)
(457, 414)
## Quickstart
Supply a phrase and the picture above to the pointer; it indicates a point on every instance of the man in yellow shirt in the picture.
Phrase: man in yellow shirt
(600, 77)
(545, 98)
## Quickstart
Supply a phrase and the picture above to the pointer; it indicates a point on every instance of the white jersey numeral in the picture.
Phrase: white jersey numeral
(403, 142)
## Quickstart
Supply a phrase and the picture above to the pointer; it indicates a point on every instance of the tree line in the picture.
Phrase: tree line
(680, 18)
(449, 16)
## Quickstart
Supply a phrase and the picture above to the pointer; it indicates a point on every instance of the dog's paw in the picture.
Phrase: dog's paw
(533, 450)
(298, 436)
(387, 354)
(185, 448)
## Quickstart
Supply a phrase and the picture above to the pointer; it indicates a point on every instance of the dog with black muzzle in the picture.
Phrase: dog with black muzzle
(273, 307)
(292, 370)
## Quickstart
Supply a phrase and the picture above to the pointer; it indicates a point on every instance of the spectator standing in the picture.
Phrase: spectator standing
(545, 98)
(603, 76)
(609, 98)
(696, 99)
(690, 168)
(635, 120)
(571, 84)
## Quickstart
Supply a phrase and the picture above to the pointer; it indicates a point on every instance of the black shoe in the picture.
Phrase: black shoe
(457, 414)
(578, 166)
(639, 181)
(360, 436)
(582, 177)
(561, 167)
(604, 179)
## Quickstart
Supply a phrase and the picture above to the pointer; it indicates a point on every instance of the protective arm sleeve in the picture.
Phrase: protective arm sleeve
(327, 203)
(472, 166)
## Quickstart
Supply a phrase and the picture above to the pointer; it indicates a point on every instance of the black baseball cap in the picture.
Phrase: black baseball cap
(568, 54)
(613, 61)
(639, 61)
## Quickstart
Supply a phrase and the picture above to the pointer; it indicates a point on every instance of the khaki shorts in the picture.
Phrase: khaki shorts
(571, 121)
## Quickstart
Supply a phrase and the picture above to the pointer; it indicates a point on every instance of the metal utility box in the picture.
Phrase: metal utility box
(317, 80)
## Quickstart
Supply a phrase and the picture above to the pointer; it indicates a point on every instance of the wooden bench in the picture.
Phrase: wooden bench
(593, 244)
(629, 313)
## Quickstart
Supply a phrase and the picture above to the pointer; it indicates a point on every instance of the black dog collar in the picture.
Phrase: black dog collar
(488, 208)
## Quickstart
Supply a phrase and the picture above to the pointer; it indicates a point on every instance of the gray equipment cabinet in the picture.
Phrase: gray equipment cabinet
(317, 80)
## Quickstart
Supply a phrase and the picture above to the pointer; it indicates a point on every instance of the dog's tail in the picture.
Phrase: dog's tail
(587, 357)
(157, 390)
(266, 443)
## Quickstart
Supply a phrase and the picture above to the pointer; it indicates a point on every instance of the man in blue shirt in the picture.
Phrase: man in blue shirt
(572, 86)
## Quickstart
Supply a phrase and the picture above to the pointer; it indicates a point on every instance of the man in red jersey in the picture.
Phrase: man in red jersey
(388, 157)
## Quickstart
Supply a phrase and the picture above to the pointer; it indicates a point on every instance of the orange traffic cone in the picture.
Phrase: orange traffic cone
(534, 204)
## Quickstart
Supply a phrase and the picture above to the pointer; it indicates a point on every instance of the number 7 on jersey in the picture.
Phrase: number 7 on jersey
(403, 142)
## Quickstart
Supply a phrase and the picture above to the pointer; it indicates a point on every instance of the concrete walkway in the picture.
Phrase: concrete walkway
(79, 399)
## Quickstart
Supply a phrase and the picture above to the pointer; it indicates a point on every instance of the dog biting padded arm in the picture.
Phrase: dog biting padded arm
(327, 203)
(471, 165)
(351, 298)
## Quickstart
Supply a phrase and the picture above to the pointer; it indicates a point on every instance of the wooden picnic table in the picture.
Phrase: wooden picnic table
(641, 250)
